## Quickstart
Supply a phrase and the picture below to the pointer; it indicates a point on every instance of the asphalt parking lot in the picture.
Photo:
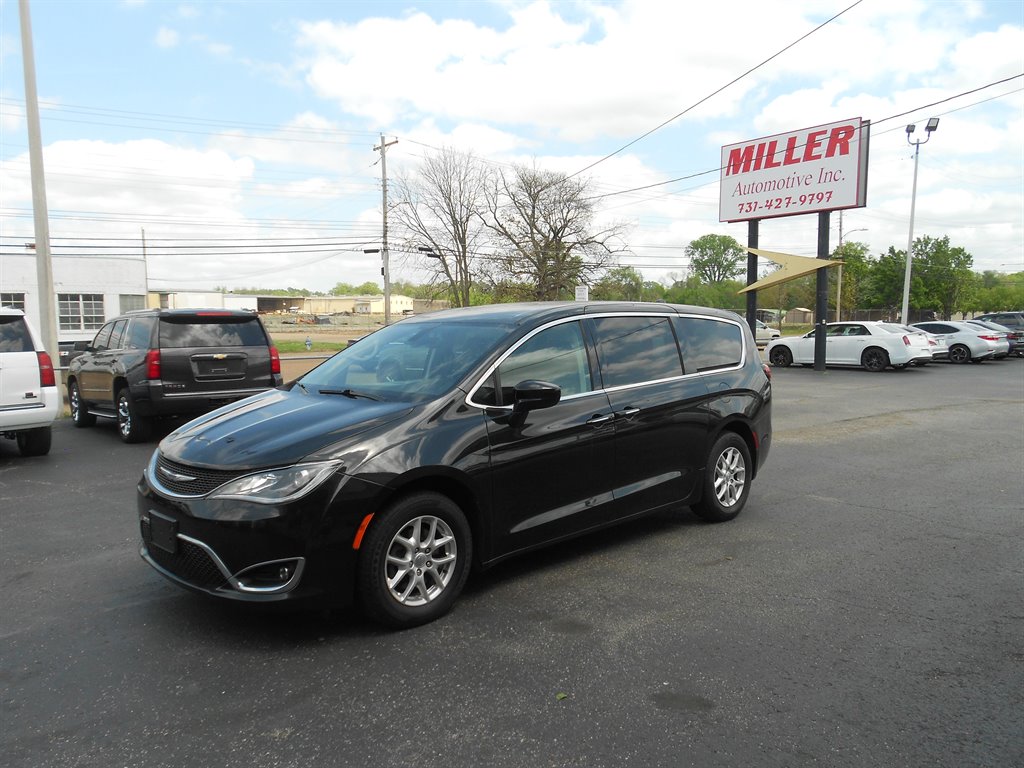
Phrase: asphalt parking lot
(866, 609)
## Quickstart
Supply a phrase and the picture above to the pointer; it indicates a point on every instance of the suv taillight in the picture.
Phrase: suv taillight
(46, 375)
(153, 364)
(275, 361)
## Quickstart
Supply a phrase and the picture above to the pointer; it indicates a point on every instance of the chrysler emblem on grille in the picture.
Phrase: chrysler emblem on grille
(176, 476)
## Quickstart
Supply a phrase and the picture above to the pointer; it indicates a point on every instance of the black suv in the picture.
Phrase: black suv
(169, 362)
(458, 438)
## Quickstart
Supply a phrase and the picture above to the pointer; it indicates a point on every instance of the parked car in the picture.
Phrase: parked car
(457, 438)
(1014, 339)
(30, 400)
(870, 345)
(966, 343)
(937, 344)
(169, 362)
(1012, 320)
(765, 333)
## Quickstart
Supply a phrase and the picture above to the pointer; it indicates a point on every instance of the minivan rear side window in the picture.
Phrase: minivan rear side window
(709, 344)
(636, 349)
(213, 331)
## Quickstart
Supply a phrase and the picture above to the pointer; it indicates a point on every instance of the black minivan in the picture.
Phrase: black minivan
(455, 439)
(169, 362)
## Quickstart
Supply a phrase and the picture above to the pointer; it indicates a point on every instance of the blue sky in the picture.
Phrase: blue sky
(254, 122)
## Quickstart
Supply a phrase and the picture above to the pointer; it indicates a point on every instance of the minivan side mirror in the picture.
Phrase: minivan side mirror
(532, 394)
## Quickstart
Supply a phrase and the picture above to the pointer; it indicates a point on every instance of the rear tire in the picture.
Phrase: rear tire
(726, 480)
(780, 357)
(414, 561)
(874, 359)
(79, 416)
(130, 426)
(958, 353)
(35, 442)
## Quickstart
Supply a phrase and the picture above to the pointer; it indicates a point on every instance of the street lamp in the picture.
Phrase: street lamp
(933, 123)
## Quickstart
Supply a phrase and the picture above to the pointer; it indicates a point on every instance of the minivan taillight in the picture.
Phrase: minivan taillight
(153, 364)
(275, 361)
(46, 375)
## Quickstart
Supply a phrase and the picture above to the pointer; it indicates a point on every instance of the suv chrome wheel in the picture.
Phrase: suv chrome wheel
(132, 427)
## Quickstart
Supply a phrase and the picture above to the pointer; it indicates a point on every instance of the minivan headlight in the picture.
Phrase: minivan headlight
(277, 486)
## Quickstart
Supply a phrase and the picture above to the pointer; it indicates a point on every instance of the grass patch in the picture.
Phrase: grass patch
(299, 347)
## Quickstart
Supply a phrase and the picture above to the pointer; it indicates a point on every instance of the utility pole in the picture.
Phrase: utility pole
(44, 263)
(386, 267)
(145, 269)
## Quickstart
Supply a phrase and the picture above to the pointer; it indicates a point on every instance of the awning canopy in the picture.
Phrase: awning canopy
(792, 268)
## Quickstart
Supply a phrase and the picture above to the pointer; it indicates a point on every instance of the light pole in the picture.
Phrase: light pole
(933, 123)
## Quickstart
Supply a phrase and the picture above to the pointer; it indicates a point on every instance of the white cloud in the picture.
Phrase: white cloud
(167, 38)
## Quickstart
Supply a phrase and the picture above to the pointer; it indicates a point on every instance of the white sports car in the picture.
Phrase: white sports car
(874, 346)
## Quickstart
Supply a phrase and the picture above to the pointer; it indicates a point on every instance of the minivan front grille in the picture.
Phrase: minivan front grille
(183, 480)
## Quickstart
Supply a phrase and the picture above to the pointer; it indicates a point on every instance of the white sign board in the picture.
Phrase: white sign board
(582, 293)
(824, 168)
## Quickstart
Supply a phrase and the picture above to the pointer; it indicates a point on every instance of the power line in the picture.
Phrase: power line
(716, 92)
(877, 122)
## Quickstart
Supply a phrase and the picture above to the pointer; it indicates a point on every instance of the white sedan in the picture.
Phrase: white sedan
(765, 333)
(872, 345)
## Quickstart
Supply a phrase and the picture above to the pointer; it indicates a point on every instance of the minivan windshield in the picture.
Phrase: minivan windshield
(406, 361)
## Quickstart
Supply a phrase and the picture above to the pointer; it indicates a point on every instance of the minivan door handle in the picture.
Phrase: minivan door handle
(627, 413)
(600, 418)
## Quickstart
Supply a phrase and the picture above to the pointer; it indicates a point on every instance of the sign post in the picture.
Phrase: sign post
(812, 170)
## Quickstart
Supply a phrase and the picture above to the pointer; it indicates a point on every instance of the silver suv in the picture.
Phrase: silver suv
(29, 398)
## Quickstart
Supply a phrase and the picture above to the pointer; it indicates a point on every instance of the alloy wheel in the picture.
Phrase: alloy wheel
(420, 561)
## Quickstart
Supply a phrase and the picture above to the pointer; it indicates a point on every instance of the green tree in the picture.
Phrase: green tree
(947, 280)
(722, 294)
(620, 283)
(884, 288)
(856, 271)
(714, 258)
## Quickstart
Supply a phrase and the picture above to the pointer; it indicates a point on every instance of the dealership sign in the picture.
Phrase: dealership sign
(824, 168)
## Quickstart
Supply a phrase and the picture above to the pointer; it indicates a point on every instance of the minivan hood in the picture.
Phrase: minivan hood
(275, 428)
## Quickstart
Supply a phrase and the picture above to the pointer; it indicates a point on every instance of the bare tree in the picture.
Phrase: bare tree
(440, 212)
(541, 226)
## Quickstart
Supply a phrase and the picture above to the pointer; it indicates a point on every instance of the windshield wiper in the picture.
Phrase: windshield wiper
(348, 393)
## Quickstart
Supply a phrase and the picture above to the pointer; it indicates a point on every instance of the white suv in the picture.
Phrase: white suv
(29, 397)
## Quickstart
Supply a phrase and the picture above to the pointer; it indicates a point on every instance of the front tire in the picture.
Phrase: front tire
(414, 561)
(726, 480)
(130, 426)
(780, 357)
(35, 442)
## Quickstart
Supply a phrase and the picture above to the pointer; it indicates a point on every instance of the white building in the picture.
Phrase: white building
(89, 290)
